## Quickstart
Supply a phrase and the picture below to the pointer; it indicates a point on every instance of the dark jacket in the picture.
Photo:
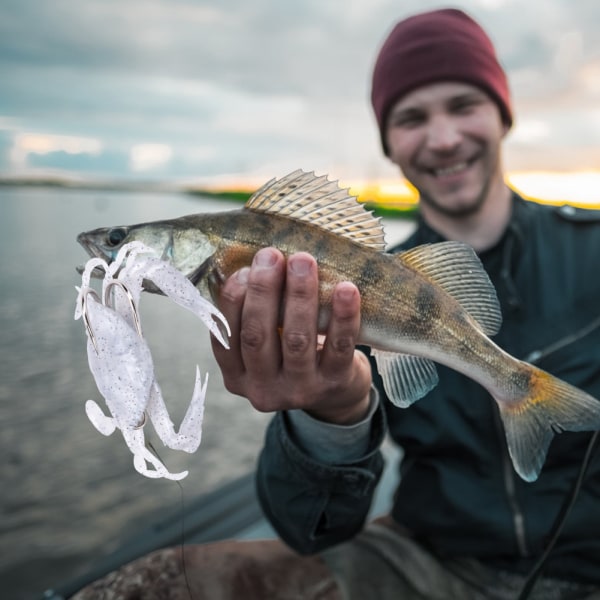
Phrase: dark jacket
(458, 493)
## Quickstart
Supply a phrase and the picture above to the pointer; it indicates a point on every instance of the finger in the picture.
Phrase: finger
(259, 337)
(299, 334)
(342, 332)
(231, 302)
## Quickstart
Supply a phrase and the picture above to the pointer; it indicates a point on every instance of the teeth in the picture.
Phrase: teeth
(450, 170)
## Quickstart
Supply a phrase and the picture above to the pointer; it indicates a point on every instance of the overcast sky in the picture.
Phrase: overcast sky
(190, 90)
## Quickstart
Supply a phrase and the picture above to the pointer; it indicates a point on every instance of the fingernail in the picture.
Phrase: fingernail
(299, 265)
(265, 258)
(345, 291)
(242, 275)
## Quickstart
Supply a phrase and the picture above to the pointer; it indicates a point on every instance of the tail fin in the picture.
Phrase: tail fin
(552, 406)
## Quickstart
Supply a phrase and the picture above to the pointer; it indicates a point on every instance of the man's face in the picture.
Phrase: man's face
(446, 138)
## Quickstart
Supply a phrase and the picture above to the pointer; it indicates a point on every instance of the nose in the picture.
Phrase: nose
(442, 133)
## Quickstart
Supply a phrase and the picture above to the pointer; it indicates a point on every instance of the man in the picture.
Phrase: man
(463, 525)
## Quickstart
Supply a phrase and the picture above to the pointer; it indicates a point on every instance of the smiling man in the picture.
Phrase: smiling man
(462, 524)
(443, 107)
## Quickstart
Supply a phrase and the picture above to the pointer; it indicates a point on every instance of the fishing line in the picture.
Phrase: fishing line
(182, 500)
(560, 520)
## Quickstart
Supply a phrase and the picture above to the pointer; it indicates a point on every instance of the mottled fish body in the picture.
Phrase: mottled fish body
(433, 303)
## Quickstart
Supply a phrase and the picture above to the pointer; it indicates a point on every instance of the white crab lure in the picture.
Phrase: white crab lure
(120, 359)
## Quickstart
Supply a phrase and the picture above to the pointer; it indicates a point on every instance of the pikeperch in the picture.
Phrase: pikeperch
(433, 303)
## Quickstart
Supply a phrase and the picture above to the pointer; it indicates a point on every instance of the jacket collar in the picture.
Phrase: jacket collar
(517, 226)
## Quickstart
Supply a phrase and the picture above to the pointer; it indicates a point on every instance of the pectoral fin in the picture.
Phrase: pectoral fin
(406, 378)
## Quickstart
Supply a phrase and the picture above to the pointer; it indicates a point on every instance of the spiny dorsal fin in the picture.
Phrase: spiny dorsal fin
(316, 200)
(456, 268)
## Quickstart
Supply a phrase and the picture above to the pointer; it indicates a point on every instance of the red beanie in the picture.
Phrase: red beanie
(441, 45)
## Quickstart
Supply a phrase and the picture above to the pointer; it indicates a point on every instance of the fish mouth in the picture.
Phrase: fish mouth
(88, 246)
(93, 251)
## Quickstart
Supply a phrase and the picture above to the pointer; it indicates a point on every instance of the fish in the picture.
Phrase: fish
(430, 304)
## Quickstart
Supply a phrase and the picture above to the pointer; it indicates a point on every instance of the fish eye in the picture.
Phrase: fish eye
(116, 236)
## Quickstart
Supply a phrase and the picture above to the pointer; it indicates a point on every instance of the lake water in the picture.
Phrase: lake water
(69, 494)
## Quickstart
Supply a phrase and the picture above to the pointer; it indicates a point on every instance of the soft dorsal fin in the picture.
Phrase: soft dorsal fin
(316, 200)
(456, 268)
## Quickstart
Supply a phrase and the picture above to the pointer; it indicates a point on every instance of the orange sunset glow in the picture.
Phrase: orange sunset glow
(578, 188)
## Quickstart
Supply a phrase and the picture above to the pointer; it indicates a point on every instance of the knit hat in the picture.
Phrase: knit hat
(441, 45)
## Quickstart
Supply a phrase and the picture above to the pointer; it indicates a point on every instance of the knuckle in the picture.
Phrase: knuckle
(345, 319)
(299, 290)
(231, 385)
(234, 385)
(252, 336)
(230, 295)
(262, 284)
(296, 343)
(264, 400)
(343, 344)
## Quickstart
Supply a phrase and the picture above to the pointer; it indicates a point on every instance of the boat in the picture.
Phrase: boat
(232, 511)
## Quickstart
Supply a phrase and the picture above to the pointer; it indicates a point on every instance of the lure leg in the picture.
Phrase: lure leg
(141, 455)
(190, 432)
(105, 425)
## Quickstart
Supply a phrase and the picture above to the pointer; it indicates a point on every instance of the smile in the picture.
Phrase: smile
(452, 170)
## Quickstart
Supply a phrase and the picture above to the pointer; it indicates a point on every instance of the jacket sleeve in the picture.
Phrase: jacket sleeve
(314, 505)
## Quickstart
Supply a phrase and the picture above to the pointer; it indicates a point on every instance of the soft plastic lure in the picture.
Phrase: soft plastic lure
(120, 359)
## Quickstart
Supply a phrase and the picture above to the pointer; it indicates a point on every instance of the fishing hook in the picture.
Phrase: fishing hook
(84, 294)
(108, 302)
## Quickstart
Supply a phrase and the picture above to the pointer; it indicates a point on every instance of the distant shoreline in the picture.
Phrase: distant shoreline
(88, 184)
(400, 209)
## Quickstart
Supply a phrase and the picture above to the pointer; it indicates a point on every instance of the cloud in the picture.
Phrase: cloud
(25, 144)
(147, 157)
(531, 131)
(240, 86)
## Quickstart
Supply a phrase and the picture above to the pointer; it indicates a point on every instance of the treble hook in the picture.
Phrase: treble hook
(84, 294)
(134, 311)
(108, 303)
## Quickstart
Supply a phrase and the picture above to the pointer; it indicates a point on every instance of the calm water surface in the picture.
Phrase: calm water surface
(69, 494)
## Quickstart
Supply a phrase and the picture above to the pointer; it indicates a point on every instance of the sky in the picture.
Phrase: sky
(197, 91)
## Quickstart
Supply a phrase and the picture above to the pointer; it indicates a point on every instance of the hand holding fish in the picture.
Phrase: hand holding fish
(287, 370)
(120, 358)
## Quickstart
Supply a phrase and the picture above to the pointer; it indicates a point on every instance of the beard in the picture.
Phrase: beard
(458, 212)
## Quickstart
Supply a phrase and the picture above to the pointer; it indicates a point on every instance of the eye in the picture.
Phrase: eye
(407, 119)
(466, 104)
(463, 106)
(116, 236)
